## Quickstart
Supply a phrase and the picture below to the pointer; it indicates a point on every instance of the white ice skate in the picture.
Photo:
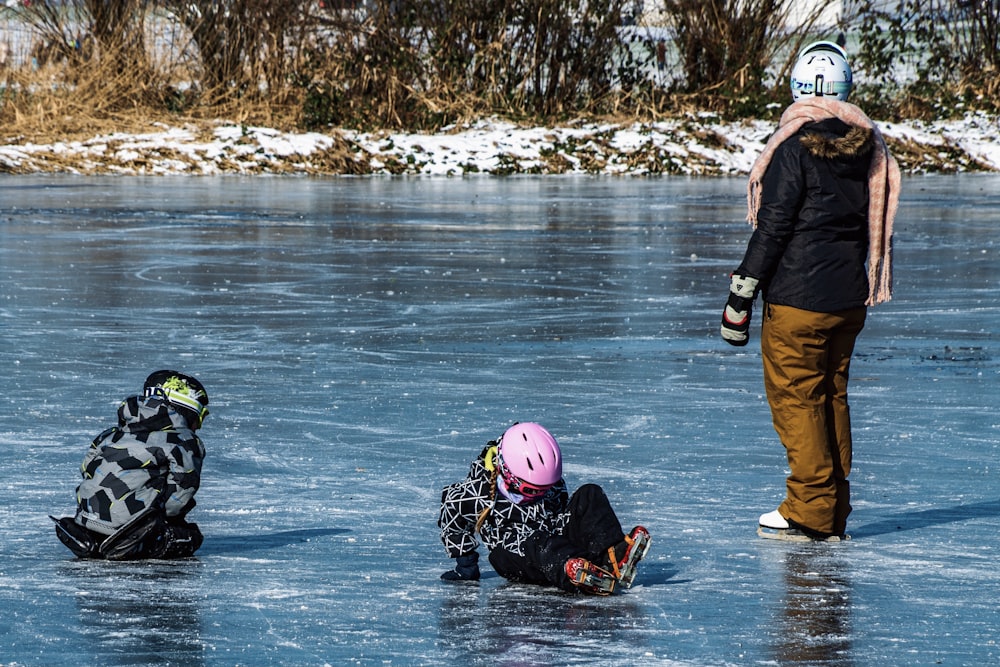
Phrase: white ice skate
(773, 526)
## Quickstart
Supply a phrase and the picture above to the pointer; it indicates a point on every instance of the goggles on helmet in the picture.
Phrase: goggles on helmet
(517, 485)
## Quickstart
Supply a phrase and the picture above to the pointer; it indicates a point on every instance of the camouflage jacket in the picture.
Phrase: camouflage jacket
(152, 459)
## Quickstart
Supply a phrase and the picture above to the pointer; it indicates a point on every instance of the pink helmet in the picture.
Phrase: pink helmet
(530, 462)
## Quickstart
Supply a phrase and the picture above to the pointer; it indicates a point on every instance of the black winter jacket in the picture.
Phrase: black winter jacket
(811, 242)
(507, 524)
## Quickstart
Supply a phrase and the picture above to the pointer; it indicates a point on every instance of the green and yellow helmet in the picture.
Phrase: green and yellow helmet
(182, 391)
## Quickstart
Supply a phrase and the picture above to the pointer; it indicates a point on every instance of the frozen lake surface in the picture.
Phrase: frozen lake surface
(361, 339)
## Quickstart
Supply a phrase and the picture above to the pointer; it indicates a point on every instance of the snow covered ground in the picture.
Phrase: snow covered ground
(361, 338)
(687, 146)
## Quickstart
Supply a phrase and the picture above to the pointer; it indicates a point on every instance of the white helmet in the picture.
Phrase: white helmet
(822, 70)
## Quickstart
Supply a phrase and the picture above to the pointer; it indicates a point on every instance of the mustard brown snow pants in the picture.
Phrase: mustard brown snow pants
(807, 358)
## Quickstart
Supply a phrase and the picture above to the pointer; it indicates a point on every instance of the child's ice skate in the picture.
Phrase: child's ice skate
(130, 540)
(77, 538)
(589, 578)
(623, 561)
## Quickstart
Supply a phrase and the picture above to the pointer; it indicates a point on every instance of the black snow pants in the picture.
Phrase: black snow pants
(149, 536)
(593, 526)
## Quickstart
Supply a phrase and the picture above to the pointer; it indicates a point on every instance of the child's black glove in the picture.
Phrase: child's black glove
(466, 568)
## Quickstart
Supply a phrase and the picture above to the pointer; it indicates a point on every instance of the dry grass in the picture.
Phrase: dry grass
(415, 70)
(56, 102)
(41, 107)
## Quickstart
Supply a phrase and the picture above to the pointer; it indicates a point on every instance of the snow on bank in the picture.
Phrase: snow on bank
(687, 146)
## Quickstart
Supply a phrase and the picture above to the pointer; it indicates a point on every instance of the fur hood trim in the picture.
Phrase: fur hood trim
(858, 142)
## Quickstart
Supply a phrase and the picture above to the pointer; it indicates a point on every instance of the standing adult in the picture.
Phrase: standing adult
(822, 197)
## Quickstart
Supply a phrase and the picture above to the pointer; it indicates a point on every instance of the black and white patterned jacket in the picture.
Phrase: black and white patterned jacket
(508, 524)
(151, 459)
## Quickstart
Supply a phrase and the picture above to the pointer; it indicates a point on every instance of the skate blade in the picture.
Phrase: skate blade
(598, 583)
(639, 551)
(793, 535)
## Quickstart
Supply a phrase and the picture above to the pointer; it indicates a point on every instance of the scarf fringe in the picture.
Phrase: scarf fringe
(883, 184)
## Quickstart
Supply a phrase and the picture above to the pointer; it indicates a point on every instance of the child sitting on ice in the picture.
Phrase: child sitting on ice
(516, 499)
(140, 477)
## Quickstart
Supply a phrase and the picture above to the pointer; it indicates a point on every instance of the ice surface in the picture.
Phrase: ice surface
(362, 338)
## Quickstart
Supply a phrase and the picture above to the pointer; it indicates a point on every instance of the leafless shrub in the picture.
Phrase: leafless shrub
(926, 58)
(424, 64)
(726, 48)
(245, 47)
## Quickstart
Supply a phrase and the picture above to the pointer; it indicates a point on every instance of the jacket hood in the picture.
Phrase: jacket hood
(822, 140)
(138, 414)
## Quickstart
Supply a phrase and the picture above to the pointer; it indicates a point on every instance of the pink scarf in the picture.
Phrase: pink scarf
(883, 183)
